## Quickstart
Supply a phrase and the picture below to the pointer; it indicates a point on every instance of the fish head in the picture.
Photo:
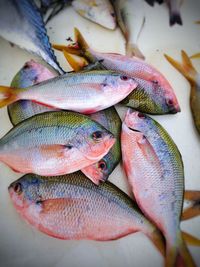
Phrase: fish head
(118, 84)
(95, 141)
(24, 192)
(164, 93)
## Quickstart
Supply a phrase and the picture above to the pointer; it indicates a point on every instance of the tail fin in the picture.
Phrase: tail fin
(195, 56)
(7, 96)
(175, 17)
(158, 240)
(186, 67)
(191, 240)
(133, 50)
(76, 62)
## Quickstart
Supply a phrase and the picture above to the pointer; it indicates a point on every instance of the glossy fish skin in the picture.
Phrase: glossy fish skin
(21, 23)
(55, 143)
(187, 69)
(85, 92)
(98, 11)
(131, 18)
(101, 170)
(30, 74)
(83, 210)
(154, 168)
(150, 81)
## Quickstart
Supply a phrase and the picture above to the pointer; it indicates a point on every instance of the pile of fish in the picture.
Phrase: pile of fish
(67, 137)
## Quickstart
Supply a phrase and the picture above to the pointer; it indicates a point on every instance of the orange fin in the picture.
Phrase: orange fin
(185, 68)
(76, 62)
(193, 195)
(195, 56)
(72, 49)
(8, 95)
(190, 240)
(194, 209)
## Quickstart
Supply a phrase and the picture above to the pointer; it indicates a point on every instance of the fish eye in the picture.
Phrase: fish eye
(97, 135)
(102, 165)
(141, 115)
(124, 78)
(18, 188)
(155, 82)
(112, 14)
(169, 102)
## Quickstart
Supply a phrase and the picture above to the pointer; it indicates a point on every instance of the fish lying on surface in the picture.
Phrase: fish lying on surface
(131, 18)
(32, 73)
(85, 92)
(55, 143)
(101, 170)
(154, 168)
(83, 210)
(174, 10)
(98, 11)
(21, 23)
(154, 94)
(190, 73)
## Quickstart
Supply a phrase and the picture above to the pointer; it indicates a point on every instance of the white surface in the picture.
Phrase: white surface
(22, 245)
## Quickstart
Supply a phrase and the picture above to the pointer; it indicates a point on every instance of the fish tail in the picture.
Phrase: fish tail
(190, 239)
(76, 62)
(178, 252)
(7, 96)
(150, 2)
(186, 67)
(175, 18)
(133, 50)
(158, 240)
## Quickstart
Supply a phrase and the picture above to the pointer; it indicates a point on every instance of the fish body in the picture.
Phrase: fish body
(131, 18)
(55, 143)
(189, 72)
(154, 168)
(153, 87)
(84, 92)
(30, 74)
(21, 23)
(98, 11)
(83, 210)
(101, 170)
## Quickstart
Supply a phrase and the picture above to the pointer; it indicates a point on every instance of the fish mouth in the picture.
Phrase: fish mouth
(175, 110)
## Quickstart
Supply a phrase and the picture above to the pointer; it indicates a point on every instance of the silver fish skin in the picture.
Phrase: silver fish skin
(21, 23)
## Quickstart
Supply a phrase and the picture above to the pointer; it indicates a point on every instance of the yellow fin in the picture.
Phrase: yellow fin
(186, 68)
(8, 95)
(76, 62)
(195, 56)
(191, 240)
(80, 40)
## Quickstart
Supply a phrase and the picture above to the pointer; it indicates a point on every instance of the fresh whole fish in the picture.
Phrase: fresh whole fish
(101, 170)
(98, 11)
(190, 73)
(21, 23)
(30, 74)
(154, 94)
(55, 143)
(83, 210)
(131, 18)
(84, 92)
(154, 168)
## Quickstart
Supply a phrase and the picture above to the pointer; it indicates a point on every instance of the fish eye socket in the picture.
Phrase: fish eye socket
(102, 165)
(124, 78)
(97, 135)
(18, 188)
(169, 102)
(141, 115)
(155, 82)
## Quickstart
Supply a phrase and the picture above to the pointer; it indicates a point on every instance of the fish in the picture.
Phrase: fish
(85, 92)
(55, 143)
(21, 23)
(194, 208)
(187, 69)
(31, 73)
(131, 19)
(98, 11)
(153, 94)
(154, 168)
(101, 170)
(83, 210)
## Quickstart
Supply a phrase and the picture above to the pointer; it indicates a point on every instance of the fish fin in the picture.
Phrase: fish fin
(72, 49)
(185, 254)
(197, 22)
(195, 56)
(150, 2)
(80, 40)
(190, 212)
(8, 95)
(76, 62)
(190, 239)
(192, 195)
(175, 18)
(185, 68)
(158, 240)
(133, 50)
